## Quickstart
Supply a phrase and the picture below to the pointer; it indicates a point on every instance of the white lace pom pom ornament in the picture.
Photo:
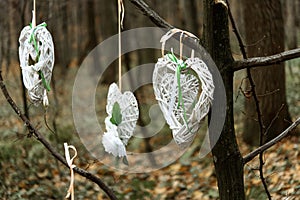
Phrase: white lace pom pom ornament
(177, 89)
(36, 54)
(123, 112)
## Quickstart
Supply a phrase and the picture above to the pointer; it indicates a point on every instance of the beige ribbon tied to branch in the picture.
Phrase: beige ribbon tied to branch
(71, 165)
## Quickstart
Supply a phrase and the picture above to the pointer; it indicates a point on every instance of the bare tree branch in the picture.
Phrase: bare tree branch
(238, 65)
(151, 14)
(274, 119)
(268, 60)
(236, 31)
(269, 144)
(253, 90)
(47, 145)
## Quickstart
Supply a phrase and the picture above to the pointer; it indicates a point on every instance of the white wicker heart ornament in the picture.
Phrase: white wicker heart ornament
(36, 54)
(184, 91)
(122, 110)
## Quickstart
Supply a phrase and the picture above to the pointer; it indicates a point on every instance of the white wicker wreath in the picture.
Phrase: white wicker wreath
(177, 91)
(119, 131)
(36, 54)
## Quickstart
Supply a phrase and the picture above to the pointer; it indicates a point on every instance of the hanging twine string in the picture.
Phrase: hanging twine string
(180, 46)
(121, 12)
(71, 165)
(33, 15)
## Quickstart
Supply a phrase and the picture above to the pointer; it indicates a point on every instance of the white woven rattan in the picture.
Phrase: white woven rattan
(33, 61)
(184, 120)
(116, 137)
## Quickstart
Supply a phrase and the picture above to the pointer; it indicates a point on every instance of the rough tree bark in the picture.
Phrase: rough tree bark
(227, 158)
(265, 36)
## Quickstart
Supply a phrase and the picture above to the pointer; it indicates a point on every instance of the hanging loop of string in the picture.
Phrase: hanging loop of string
(121, 13)
(171, 33)
(180, 46)
(71, 166)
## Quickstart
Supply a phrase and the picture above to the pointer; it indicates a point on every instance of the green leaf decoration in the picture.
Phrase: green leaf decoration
(116, 118)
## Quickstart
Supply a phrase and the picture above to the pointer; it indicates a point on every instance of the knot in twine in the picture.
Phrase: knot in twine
(71, 166)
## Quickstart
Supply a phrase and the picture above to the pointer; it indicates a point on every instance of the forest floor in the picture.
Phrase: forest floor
(28, 171)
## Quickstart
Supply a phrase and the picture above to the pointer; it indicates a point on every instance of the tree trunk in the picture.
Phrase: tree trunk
(109, 27)
(59, 31)
(189, 11)
(265, 36)
(91, 26)
(290, 24)
(227, 158)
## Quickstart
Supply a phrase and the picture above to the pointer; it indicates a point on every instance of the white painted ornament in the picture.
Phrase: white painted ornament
(36, 54)
(123, 112)
(184, 91)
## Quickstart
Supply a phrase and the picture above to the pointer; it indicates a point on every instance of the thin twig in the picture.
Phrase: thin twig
(274, 119)
(267, 60)
(268, 93)
(47, 125)
(48, 146)
(236, 31)
(256, 101)
(271, 143)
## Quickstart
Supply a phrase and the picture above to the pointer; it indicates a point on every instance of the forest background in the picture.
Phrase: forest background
(28, 171)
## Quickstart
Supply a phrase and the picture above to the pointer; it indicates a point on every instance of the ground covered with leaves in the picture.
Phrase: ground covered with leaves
(28, 171)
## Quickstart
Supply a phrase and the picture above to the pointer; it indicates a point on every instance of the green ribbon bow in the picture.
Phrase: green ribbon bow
(32, 39)
(180, 67)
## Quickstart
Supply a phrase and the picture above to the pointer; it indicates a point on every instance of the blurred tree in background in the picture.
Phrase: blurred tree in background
(264, 36)
(78, 26)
